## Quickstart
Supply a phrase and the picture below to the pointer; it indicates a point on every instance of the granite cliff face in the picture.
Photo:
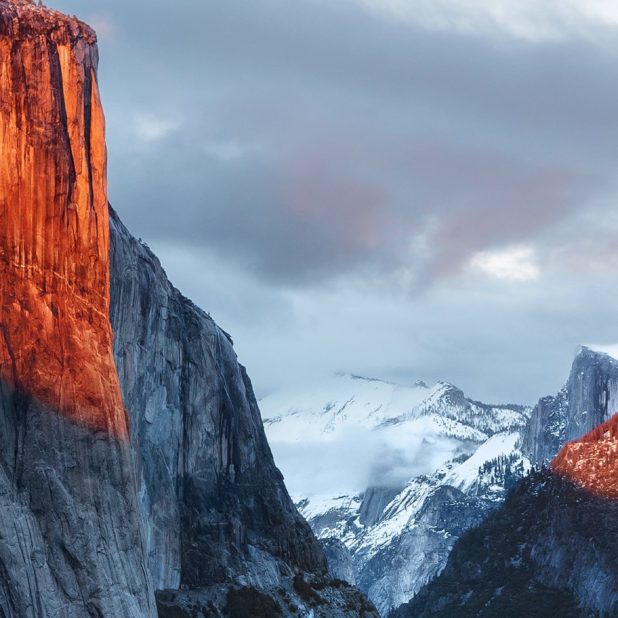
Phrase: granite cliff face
(70, 534)
(546, 431)
(133, 458)
(339, 558)
(215, 506)
(589, 398)
(55, 233)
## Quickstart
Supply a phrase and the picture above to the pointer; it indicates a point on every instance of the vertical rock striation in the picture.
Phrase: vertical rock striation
(546, 430)
(54, 243)
(593, 392)
(215, 506)
(70, 534)
(588, 399)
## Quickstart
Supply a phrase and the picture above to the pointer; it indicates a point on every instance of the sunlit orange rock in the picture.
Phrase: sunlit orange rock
(592, 461)
(55, 334)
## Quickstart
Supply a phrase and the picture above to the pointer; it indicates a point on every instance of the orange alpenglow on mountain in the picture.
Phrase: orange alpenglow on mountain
(592, 461)
(55, 333)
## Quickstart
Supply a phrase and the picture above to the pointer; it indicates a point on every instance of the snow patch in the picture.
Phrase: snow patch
(610, 350)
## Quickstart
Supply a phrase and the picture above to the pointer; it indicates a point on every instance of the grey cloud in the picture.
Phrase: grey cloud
(367, 129)
(319, 151)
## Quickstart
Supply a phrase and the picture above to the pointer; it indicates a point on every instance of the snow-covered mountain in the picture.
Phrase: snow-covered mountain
(395, 472)
(551, 549)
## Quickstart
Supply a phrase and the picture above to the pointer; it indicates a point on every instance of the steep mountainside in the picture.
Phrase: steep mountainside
(589, 398)
(409, 468)
(214, 504)
(134, 459)
(552, 549)
(546, 431)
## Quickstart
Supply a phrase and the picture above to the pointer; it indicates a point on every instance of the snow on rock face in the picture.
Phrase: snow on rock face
(610, 350)
(465, 475)
(395, 472)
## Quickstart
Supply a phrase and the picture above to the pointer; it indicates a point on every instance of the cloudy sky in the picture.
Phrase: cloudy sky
(397, 188)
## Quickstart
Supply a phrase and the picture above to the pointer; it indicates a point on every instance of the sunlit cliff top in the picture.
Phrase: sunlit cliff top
(592, 461)
(24, 18)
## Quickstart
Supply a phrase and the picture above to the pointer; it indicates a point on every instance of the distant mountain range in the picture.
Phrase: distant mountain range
(552, 549)
(393, 535)
(432, 461)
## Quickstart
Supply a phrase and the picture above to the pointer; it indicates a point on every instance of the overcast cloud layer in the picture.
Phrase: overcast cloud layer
(405, 189)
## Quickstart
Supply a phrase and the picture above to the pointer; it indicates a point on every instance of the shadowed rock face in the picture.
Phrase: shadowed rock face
(215, 506)
(546, 431)
(340, 563)
(552, 550)
(70, 533)
(588, 399)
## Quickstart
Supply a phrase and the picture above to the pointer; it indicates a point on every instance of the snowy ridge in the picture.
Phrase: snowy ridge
(466, 475)
(609, 350)
(330, 407)
(396, 472)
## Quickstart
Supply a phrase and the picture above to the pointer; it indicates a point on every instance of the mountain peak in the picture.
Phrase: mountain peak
(610, 351)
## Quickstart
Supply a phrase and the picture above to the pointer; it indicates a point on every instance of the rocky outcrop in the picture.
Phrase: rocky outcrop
(374, 503)
(593, 392)
(589, 398)
(592, 461)
(300, 597)
(339, 558)
(546, 430)
(552, 549)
